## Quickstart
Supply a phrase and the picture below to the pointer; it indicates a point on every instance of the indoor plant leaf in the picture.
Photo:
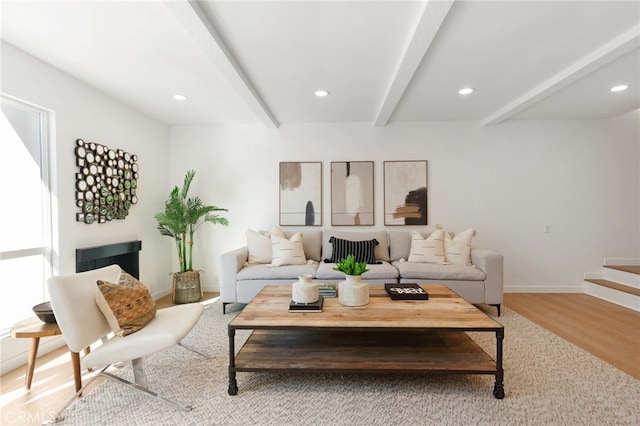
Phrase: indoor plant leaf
(350, 267)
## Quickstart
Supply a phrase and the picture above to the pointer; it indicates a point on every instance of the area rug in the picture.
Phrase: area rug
(548, 381)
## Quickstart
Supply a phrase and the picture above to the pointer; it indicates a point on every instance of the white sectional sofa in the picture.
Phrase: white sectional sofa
(480, 282)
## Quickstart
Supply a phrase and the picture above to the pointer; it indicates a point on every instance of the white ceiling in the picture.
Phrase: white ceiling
(242, 62)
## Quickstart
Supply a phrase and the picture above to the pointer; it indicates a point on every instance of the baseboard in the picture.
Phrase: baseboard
(544, 289)
(15, 352)
(621, 261)
(160, 294)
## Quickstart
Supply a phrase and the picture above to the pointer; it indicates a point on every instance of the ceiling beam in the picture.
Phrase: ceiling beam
(196, 23)
(615, 48)
(431, 18)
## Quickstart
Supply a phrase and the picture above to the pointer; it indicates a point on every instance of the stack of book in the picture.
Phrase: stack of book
(327, 289)
(307, 307)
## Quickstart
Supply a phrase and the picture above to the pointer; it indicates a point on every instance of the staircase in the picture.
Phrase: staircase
(619, 283)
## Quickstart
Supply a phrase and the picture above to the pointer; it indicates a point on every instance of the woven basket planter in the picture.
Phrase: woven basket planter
(186, 287)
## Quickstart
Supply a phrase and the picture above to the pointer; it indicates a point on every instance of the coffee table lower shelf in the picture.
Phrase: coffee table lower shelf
(370, 351)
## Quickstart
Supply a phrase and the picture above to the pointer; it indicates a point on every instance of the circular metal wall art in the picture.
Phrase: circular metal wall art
(106, 182)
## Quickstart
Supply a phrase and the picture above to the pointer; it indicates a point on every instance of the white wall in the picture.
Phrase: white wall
(579, 177)
(83, 112)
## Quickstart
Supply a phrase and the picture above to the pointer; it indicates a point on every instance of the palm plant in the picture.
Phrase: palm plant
(182, 216)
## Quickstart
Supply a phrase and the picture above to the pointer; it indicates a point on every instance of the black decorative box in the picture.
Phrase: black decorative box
(406, 291)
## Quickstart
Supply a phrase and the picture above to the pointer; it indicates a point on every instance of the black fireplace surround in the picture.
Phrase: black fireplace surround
(126, 255)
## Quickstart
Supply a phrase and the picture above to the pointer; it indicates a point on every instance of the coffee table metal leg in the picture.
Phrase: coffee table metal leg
(498, 388)
(233, 385)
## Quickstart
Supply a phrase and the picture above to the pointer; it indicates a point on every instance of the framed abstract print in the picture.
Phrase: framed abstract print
(352, 193)
(301, 193)
(405, 193)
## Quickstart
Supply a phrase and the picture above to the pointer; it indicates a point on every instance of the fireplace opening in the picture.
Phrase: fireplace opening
(126, 255)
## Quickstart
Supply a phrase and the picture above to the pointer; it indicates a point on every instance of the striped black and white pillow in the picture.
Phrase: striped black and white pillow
(362, 250)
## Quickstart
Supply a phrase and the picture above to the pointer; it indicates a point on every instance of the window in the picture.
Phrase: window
(25, 211)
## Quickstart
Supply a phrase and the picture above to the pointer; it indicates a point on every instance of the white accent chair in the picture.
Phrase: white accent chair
(73, 299)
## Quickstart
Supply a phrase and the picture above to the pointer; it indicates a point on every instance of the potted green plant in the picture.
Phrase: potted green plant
(182, 216)
(350, 267)
(353, 291)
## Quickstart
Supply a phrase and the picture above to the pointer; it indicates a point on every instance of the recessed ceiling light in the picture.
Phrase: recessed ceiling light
(180, 97)
(465, 91)
(321, 93)
(619, 88)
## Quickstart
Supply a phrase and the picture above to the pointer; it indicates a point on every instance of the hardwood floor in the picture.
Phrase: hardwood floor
(606, 330)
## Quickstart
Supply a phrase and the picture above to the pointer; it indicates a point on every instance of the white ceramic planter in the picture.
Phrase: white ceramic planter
(304, 290)
(353, 291)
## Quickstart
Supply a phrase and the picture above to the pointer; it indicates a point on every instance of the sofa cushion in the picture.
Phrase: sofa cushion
(436, 271)
(427, 250)
(362, 250)
(399, 245)
(268, 272)
(382, 270)
(287, 251)
(311, 242)
(381, 251)
(457, 250)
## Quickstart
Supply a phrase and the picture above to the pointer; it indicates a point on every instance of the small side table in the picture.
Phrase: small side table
(35, 332)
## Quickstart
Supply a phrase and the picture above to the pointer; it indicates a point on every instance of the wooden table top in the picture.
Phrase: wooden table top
(36, 330)
(444, 310)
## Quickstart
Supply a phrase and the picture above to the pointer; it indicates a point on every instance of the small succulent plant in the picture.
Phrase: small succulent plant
(350, 267)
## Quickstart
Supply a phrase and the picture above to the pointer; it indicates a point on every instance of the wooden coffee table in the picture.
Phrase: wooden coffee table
(394, 336)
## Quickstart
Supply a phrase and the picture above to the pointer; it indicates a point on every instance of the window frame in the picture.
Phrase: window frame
(46, 120)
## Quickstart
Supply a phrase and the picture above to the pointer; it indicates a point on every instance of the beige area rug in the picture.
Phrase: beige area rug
(548, 381)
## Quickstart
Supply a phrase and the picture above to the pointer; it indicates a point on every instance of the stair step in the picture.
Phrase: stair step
(614, 285)
(632, 269)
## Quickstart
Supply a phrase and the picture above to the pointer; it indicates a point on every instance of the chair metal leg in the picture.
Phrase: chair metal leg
(192, 349)
(57, 417)
(140, 384)
(139, 377)
(146, 390)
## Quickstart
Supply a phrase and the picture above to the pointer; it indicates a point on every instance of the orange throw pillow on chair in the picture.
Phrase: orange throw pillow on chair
(127, 306)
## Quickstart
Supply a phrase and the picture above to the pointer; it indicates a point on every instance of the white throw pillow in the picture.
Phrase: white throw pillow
(259, 245)
(457, 251)
(429, 250)
(277, 231)
(287, 252)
